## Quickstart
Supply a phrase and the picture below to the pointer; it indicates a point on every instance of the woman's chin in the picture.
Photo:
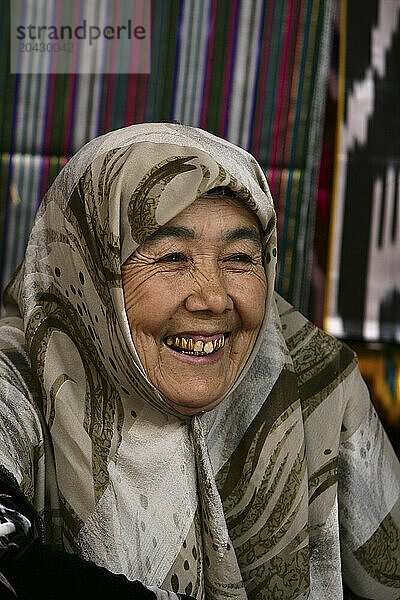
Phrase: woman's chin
(187, 406)
(191, 384)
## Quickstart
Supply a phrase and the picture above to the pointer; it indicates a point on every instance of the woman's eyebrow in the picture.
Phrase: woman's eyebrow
(243, 233)
(240, 233)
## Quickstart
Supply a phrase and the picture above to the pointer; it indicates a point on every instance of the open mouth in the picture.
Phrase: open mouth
(195, 347)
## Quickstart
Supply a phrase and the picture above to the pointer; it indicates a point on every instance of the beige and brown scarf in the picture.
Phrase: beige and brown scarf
(241, 502)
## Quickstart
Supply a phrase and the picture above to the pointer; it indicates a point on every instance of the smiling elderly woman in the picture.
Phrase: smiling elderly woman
(195, 296)
(166, 418)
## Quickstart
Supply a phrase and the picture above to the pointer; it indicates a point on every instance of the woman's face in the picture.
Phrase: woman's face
(195, 295)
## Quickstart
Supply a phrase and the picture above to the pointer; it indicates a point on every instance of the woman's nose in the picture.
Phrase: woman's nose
(209, 294)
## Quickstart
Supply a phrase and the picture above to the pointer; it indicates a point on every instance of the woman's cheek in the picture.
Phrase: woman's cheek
(150, 303)
(249, 296)
(138, 281)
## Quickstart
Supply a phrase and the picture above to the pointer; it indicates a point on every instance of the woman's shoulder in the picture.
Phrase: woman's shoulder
(12, 332)
(14, 361)
(325, 367)
(311, 348)
(20, 418)
(17, 381)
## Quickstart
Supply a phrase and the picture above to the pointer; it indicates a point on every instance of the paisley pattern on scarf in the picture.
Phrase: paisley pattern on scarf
(145, 198)
(242, 502)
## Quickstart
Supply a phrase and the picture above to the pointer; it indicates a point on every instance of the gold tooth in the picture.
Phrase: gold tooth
(219, 343)
(208, 347)
(198, 347)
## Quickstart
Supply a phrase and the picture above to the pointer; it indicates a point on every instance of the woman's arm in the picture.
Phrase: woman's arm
(369, 502)
(31, 570)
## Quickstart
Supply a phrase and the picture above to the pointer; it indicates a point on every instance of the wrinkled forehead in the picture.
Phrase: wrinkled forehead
(152, 183)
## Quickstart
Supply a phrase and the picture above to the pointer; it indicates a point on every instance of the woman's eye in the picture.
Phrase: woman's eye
(173, 257)
(240, 258)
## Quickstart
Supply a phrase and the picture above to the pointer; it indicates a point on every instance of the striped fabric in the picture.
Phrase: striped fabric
(363, 292)
(253, 71)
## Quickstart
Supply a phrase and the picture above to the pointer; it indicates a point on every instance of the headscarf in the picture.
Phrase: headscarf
(239, 502)
(135, 479)
(243, 501)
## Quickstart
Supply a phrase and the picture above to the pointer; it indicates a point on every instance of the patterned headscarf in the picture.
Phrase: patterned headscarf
(287, 489)
(136, 481)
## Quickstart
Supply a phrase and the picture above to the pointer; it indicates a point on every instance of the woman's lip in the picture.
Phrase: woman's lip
(203, 337)
(207, 359)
